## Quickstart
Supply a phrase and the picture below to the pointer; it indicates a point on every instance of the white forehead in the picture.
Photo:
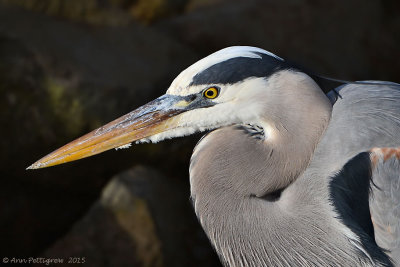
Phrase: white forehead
(180, 84)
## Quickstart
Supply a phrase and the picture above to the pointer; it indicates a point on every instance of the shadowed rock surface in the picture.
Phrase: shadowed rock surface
(344, 39)
(60, 80)
(137, 222)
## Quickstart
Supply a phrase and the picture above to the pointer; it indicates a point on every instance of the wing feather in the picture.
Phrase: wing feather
(385, 200)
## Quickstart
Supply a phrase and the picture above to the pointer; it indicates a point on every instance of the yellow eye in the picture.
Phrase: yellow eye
(211, 92)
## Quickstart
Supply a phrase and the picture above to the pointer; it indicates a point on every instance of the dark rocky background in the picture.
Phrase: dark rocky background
(68, 66)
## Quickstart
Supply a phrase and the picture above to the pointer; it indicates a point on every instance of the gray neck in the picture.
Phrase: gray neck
(232, 172)
(232, 158)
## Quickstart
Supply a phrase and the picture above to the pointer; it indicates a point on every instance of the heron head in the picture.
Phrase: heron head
(226, 88)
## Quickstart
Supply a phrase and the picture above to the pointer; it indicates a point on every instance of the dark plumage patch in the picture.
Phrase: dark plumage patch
(254, 131)
(349, 193)
(239, 68)
(271, 196)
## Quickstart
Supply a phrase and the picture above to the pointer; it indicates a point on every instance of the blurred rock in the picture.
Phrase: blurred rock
(97, 12)
(118, 61)
(60, 80)
(103, 12)
(195, 5)
(149, 11)
(344, 39)
(141, 219)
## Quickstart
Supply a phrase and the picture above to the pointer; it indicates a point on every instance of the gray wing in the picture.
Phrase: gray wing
(364, 116)
(385, 200)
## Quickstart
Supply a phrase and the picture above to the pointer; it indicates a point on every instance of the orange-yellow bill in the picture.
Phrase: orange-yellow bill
(150, 119)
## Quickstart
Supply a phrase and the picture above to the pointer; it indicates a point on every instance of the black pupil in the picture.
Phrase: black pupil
(209, 93)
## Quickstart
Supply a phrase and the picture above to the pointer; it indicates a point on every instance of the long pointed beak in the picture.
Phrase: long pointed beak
(155, 117)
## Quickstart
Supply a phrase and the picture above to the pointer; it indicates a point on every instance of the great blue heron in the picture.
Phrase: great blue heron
(287, 176)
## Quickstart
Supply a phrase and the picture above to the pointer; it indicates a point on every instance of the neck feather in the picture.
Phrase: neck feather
(231, 171)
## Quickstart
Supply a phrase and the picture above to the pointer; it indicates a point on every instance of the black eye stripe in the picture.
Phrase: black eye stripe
(237, 69)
